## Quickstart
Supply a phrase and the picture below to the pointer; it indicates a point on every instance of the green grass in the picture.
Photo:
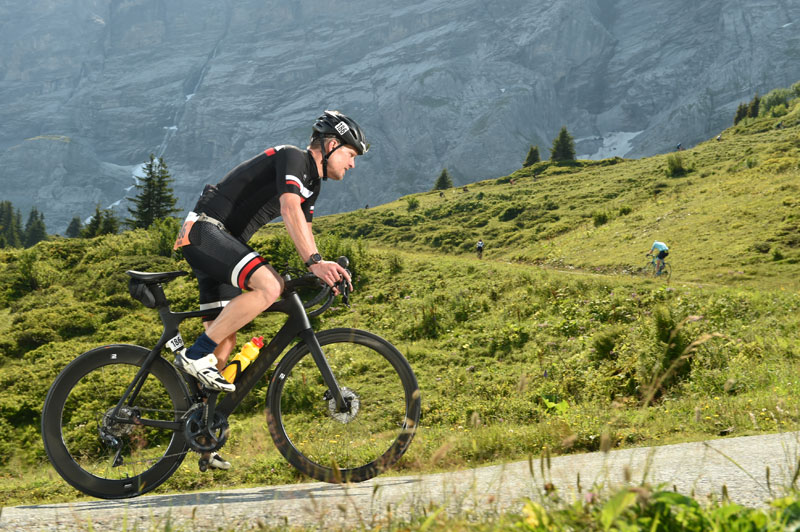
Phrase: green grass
(549, 341)
(733, 218)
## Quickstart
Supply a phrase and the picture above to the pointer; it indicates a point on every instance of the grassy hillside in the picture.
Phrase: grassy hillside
(732, 217)
(547, 342)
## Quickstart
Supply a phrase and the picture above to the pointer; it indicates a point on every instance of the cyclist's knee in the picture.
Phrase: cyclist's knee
(267, 284)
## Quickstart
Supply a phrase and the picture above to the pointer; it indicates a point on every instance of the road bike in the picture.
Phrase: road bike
(342, 404)
(651, 268)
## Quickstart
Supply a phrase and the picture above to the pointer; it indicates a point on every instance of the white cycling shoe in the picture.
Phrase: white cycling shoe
(204, 370)
(218, 462)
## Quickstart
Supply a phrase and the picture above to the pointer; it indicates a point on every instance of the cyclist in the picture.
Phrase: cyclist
(663, 251)
(479, 248)
(281, 181)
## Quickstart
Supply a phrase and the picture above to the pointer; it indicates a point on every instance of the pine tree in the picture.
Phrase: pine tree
(154, 200)
(92, 228)
(741, 113)
(11, 225)
(109, 224)
(74, 228)
(35, 230)
(444, 181)
(563, 146)
(532, 158)
(103, 222)
(752, 109)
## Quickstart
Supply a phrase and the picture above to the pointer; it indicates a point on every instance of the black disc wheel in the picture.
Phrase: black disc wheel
(107, 456)
(359, 442)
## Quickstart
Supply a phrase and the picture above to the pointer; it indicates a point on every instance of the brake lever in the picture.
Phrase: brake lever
(344, 289)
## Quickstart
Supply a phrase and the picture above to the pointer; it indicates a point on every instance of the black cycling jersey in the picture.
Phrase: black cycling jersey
(248, 197)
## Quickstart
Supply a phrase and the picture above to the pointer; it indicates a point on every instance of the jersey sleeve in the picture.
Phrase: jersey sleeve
(308, 207)
(291, 174)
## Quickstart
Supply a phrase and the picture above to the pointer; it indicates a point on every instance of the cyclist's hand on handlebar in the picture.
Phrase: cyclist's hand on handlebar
(331, 273)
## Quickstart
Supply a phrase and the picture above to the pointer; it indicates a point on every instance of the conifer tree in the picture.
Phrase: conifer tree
(563, 146)
(741, 113)
(74, 228)
(155, 199)
(11, 225)
(444, 181)
(35, 230)
(109, 225)
(102, 222)
(752, 109)
(92, 228)
(532, 158)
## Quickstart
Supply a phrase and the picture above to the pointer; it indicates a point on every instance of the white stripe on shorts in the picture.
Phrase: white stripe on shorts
(238, 268)
(215, 304)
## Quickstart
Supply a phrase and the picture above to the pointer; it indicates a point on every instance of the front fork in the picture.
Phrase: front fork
(308, 336)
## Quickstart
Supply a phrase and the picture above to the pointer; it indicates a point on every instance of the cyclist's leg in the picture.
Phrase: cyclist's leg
(265, 288)
(229, 262)
(213, 295)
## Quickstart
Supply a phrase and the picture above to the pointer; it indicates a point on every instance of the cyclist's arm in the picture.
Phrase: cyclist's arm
(300, 232)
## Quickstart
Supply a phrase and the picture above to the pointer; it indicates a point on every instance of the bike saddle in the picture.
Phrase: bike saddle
(155, 277)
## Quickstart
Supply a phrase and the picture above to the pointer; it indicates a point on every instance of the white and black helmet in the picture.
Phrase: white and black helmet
(334, 123)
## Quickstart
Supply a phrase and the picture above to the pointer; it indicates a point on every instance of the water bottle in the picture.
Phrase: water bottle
(243, 358)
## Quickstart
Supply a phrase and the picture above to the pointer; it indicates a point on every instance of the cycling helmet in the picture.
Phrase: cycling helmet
(334, 123)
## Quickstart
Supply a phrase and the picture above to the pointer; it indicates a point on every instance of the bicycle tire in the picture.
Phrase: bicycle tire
(74, 412)
(302, 422)
(649, 269)
(666, 271)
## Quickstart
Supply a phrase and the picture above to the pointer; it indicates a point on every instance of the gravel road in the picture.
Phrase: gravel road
(701, 468)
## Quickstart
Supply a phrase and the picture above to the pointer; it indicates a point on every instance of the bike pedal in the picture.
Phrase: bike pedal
(203, 464)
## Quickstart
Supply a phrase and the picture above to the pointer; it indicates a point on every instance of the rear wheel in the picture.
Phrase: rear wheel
(375, 431)
(111, 458)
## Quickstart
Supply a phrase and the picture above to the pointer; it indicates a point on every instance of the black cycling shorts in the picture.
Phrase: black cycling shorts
(663, 253)
(221, 262)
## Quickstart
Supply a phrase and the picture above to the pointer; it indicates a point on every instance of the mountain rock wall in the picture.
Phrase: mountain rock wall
(89, 88)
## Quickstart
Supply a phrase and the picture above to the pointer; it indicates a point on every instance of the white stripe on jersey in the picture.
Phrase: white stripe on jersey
(303, 190)
(238, 268)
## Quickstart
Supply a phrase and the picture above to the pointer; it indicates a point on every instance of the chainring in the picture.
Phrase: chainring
(202, 438)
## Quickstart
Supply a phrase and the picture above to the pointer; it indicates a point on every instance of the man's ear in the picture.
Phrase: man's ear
(331, 144)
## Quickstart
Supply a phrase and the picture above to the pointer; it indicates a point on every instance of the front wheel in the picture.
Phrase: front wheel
(352, 446)
(114, 458)
(649, 269)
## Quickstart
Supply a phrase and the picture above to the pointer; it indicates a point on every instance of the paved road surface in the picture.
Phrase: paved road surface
(699, 468)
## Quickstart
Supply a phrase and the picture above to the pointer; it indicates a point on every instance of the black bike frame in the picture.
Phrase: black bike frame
(297, 325)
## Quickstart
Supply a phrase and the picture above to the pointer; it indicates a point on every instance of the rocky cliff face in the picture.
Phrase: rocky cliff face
(88, 88)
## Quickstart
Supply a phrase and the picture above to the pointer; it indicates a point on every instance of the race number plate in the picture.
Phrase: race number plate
(183, 234)
(175, 343)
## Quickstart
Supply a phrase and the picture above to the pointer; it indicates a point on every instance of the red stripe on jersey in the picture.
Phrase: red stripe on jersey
(302, 199)
(270, 151)
(247, 269)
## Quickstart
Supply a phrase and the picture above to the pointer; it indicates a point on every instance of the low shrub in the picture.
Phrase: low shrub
(599, 218)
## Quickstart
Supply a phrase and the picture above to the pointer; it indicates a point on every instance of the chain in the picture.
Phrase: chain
(183, 415)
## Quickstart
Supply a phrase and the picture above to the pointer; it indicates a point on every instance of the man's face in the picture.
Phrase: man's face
(341, 161)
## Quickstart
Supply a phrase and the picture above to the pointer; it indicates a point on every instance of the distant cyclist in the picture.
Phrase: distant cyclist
(479, 248)
(663, 251)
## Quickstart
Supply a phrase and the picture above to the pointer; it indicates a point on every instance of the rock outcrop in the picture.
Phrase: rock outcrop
(89, 88)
